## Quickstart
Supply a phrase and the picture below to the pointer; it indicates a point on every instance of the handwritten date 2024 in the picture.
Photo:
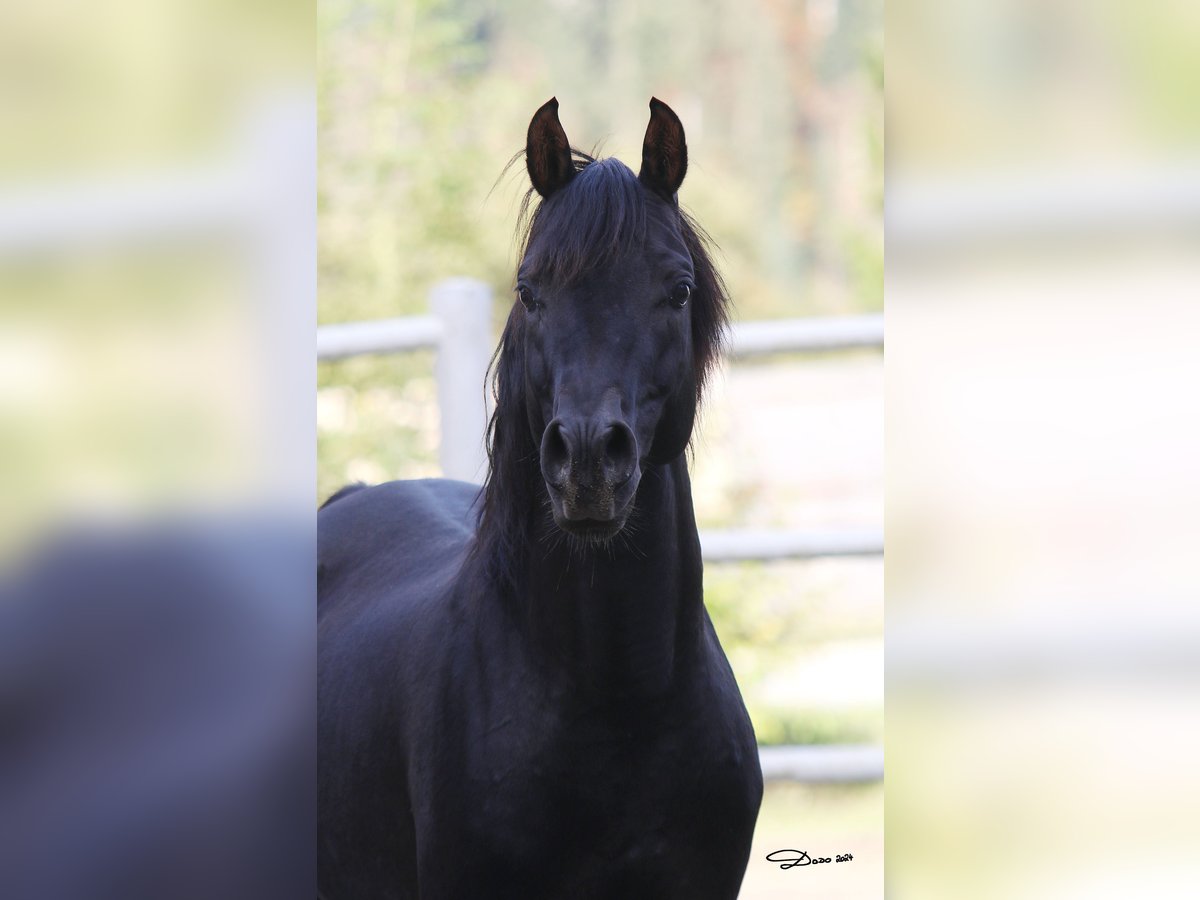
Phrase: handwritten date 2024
(789, 859)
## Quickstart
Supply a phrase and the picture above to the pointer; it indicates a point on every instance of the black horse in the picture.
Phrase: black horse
(521, 692)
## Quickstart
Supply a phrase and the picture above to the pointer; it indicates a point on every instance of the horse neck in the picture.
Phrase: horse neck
(623, 617)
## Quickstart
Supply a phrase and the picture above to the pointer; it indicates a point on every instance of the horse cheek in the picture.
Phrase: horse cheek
(674, 428)
(537, 394)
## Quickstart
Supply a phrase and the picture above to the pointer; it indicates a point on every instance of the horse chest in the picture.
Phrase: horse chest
(598, 805)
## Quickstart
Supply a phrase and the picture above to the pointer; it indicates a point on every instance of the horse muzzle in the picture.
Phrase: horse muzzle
(591, 472)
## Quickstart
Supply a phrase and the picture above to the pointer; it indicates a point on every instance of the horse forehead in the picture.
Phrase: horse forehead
(612, 299)
(615, 281)
(636, 268)
(622, 254)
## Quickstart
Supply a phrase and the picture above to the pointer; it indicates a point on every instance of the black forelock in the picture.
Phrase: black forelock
(599, 216)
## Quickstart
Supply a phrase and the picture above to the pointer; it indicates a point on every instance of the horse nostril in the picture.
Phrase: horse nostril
(619, 453)
(556, 454)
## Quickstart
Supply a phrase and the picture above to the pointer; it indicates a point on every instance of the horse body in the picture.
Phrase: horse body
(532, 702)
(597, 750)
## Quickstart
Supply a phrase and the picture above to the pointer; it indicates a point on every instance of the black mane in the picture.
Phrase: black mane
(603, 212)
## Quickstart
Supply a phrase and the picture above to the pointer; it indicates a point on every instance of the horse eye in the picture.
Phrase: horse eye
(526, 296)
(680, 295)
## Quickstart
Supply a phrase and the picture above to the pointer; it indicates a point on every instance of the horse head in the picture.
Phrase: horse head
(618, 314)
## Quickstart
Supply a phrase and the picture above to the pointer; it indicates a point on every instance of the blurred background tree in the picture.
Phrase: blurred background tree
(424, 101)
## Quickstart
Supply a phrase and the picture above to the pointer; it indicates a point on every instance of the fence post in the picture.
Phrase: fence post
(464, 307)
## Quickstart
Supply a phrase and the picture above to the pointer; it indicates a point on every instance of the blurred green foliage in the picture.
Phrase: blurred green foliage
(774, 620)
(422, 104)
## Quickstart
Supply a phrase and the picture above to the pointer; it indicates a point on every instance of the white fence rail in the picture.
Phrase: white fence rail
(747, 339)
(768, 544)
(809, 335)
(380, 336)
(459, 330)
(822, 763)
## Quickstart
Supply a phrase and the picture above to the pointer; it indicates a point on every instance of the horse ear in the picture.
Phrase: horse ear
(664, 151)
(547, 151)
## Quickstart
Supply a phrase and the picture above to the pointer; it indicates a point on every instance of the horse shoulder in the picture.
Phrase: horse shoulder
(389, 559)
